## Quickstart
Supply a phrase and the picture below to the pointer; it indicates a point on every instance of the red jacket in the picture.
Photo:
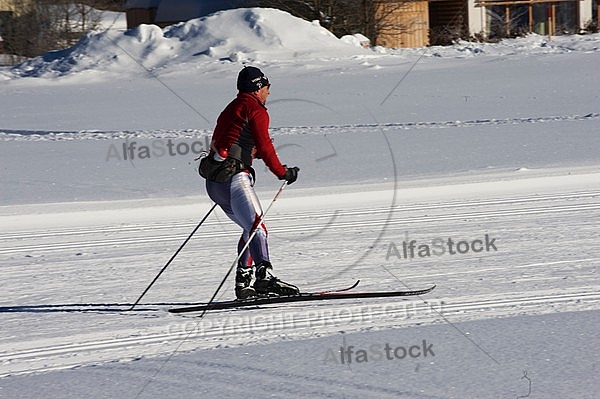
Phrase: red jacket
(244, 124)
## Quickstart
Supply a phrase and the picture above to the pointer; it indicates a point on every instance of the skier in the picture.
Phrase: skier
(242, 134)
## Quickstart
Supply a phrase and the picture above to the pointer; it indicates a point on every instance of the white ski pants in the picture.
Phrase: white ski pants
(238, 200)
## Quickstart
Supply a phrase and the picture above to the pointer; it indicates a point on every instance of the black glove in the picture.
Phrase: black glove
(291, 174)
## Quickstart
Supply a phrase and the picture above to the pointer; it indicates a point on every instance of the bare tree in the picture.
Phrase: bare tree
(19, 30)
(372, 18)
(309, 10)
(70, 20)
(396, 21)
(46, 25)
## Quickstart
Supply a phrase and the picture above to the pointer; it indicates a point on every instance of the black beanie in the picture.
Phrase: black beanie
(251, 79)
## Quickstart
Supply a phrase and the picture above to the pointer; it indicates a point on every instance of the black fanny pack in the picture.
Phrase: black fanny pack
(219, 171)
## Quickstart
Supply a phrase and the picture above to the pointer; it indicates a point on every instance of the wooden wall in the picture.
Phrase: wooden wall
(402, 23)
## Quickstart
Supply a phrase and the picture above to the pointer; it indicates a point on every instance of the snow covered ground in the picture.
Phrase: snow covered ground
(494, 147)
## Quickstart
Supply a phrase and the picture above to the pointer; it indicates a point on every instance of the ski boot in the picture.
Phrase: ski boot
(266, 283)
(243, 277)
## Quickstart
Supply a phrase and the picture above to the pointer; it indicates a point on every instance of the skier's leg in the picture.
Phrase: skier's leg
(246, 212)
(240, 203)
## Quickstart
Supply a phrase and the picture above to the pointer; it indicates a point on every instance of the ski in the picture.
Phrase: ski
(302, 297)
(340, 289)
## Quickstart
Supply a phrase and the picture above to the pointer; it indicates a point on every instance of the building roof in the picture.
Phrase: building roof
(129, 4)
(183, 10)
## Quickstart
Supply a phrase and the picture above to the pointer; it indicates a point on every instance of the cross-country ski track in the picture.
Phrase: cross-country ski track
(109, 261)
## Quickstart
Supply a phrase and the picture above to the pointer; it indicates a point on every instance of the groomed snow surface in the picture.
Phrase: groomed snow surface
(484, 156)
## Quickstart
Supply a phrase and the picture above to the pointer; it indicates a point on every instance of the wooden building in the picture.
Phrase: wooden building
(402, 23)
(500, 18)
(169, 12)
(14, 6)
(140, 12)
(11, 8)
(8, 10)
(448, 20)
(410, 23)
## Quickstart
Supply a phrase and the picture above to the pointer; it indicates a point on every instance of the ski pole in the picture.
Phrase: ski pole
(173, 257)
(235, 262)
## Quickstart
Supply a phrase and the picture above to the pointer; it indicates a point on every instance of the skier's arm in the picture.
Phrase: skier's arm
(259, 126)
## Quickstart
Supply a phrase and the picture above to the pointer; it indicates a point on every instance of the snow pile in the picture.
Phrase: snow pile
(257, 35)
(110, 20)
(246, 34)
(530, 44)
(357, 40)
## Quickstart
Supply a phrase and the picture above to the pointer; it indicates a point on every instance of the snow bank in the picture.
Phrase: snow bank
(528, 45)
(246, 34)
(260, 36)
(533, 44)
